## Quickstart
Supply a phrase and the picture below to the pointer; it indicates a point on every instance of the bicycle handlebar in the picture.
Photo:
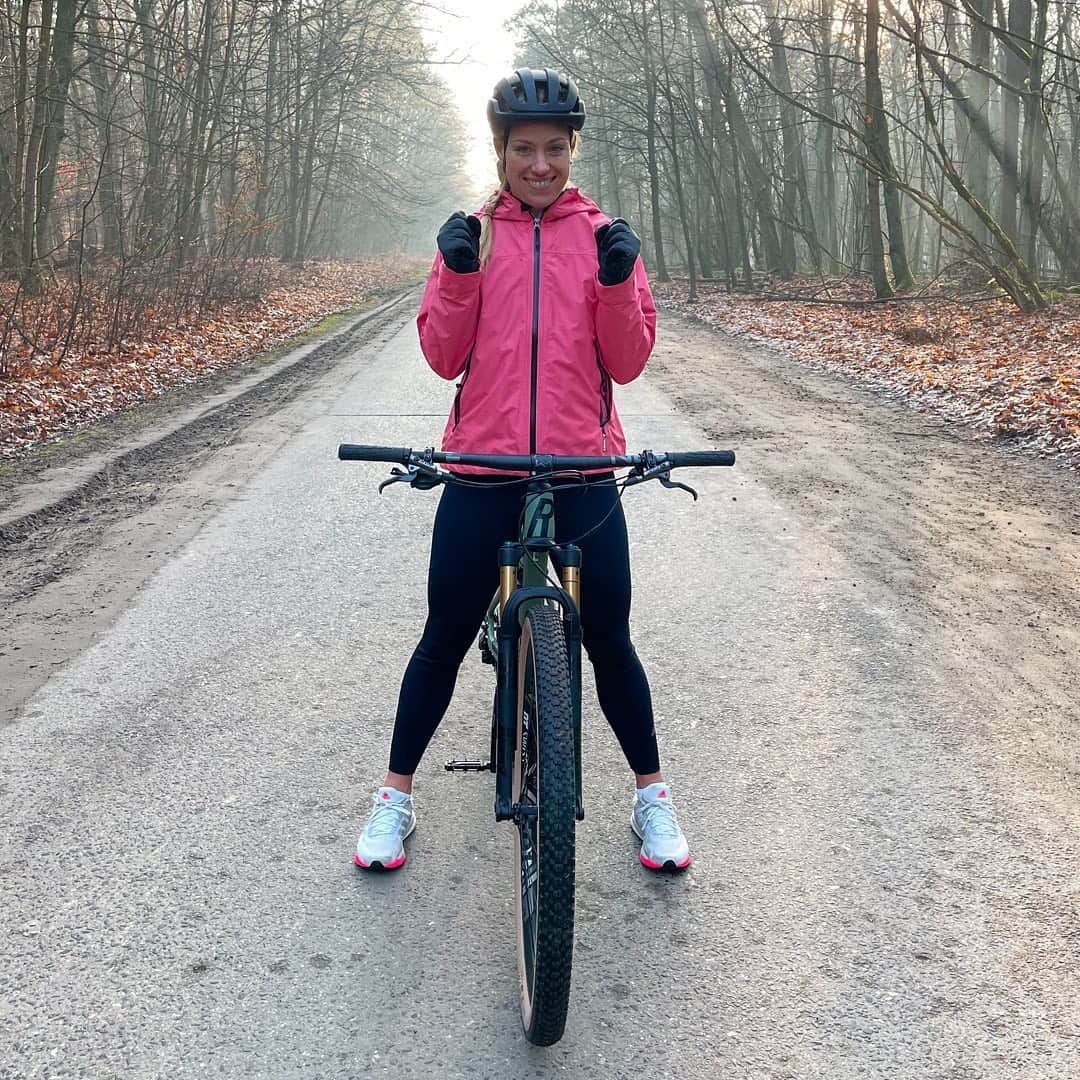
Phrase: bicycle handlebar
(400, 455)
(352, 452)
(681, 459)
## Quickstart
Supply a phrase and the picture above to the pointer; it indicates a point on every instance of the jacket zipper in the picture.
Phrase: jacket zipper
(460, 387)
(535, 330)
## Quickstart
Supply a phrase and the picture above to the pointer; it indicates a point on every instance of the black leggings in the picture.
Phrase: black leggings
(469, 526)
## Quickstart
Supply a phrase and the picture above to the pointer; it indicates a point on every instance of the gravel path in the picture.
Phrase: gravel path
(863, 650)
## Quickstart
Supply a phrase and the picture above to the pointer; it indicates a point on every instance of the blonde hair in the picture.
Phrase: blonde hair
(487, 220)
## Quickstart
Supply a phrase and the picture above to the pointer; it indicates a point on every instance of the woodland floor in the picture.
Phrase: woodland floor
(1009, 375)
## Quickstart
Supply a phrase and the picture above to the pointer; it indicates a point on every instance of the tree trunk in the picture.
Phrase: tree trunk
(109, 193)
(878, 152)
(791, 149)
(742, 139)
(55, 113)
(262, 180)
(740, 216)
(825, 177)
(153, 195)
(1033, 153)
(653, 164)
(1015, 72)
(680, 194)
(29, 265)
(978, 81)
(876, 166)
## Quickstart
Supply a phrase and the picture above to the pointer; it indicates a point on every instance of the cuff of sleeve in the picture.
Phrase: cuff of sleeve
(454, 284)
(616, 294)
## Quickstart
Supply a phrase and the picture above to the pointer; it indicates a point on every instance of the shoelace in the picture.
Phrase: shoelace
(660, 819)
(386, 817)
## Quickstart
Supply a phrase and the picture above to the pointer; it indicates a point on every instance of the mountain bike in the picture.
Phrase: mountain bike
(531, 635)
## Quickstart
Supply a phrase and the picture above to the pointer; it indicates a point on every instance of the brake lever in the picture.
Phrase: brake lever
(656, 468)
(665, 479)
(396, 477)
(422, 476)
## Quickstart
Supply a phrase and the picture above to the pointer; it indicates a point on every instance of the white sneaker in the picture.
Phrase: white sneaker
(391, 820)
(663, 846)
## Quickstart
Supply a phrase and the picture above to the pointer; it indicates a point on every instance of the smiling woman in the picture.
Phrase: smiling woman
(535, 117)
(536, 161)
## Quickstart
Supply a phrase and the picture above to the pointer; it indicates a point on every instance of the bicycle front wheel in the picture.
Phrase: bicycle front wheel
(544, 833)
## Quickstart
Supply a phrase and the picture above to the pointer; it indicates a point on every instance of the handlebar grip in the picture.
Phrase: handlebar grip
(701, 457)
(352, 452)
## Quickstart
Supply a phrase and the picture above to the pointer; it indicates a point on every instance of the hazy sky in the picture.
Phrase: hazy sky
(470, 31)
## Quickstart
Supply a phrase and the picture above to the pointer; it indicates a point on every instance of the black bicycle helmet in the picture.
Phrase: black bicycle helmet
(531, 94)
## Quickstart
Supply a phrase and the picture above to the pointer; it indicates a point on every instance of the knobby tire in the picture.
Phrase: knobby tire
(544, 845)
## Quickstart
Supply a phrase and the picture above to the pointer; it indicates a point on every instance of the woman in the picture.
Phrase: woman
(535, 306)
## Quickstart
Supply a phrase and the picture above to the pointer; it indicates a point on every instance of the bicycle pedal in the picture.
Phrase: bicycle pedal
(469, 766)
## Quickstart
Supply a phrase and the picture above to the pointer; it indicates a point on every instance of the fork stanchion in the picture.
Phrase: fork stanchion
(509, 556)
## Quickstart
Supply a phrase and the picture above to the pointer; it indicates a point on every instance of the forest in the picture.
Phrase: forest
(162, 158)
(909, 141)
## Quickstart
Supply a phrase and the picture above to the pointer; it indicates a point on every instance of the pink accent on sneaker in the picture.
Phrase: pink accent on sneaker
(663, 794)
(660, 866)
(386, 794)
(389, 866)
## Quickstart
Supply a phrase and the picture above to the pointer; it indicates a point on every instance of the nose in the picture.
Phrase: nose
(540, 163)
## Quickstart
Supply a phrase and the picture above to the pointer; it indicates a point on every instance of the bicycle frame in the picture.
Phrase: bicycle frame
(523, 582)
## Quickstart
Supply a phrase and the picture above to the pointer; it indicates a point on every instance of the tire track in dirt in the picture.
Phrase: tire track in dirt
(66, 571)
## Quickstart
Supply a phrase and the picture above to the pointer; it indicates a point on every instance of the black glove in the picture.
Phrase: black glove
(459, 242)
(617, 247)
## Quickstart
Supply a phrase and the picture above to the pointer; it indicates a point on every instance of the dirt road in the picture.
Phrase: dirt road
(863, 648)
(980, 545)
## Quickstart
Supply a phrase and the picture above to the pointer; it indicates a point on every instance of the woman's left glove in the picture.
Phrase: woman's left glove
(459, 242)
(617, 247)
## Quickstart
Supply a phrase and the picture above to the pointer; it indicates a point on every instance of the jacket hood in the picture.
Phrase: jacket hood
(570, 201)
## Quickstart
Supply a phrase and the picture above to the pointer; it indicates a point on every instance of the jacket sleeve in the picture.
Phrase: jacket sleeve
(447, 320)
(625, 325)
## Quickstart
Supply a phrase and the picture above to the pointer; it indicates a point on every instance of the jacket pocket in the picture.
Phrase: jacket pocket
(461, 386)
(605, 400)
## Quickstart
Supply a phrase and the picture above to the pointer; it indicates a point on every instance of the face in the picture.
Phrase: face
(537, 162)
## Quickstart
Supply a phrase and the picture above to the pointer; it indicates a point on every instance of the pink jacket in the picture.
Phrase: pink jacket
(551, 394)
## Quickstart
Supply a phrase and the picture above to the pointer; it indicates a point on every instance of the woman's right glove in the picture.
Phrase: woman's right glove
(617, 248)
(459, 242)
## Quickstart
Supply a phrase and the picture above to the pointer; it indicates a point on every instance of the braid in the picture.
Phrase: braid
(487, 222)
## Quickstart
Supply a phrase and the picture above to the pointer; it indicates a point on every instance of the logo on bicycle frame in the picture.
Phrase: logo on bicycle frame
(541, 512)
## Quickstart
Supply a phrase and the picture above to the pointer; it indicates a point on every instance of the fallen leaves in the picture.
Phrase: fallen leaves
(1007, 374)
(43, 397)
